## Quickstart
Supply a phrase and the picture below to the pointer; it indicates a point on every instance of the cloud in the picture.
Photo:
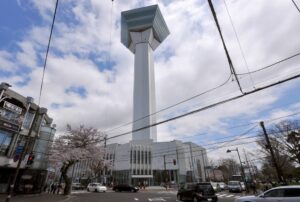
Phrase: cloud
(86, 53)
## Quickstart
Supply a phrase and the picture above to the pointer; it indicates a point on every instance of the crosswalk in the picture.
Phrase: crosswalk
(228, 195)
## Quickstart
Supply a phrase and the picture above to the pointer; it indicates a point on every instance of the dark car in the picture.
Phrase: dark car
(125, 187)
(197, 192)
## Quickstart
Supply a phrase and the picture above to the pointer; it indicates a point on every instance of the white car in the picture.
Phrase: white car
(97, 187)
(223, 186)
(282, 194)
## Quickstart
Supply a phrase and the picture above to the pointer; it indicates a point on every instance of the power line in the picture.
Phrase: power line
(209, 106)
(174, 105)
(224, 45)
(272, 64)
(239, 43)
(47, 51)
(296, 6)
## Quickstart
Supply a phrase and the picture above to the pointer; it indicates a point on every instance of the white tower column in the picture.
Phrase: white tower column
(144, 85)
(142, 31)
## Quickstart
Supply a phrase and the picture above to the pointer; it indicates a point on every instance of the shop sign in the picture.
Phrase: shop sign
(9, 126)
(12, 107)
(26, 177)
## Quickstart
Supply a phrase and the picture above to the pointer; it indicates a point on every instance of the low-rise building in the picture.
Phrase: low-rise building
(22, 120)
(149, 163)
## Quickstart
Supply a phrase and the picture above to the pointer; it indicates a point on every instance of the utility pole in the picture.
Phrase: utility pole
(204, 165)
(105, 139)
(165, 172)
(248, 165)
(269, 146)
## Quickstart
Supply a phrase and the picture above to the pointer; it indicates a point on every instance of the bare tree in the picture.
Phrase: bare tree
(288, 135)
(75, 145)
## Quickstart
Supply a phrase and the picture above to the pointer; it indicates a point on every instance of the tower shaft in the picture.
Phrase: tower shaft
(144, 86)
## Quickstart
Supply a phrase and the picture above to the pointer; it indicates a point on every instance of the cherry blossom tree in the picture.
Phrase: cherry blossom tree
(75, 145)
(99, 162)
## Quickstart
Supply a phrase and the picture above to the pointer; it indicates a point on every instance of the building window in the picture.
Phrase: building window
(139, 155)
(146, 161)
(138, 172)
(130, 156)
(28, 119)
(142, 172)
(5, 140)
(149, 157)
(142, 157)
(134, 156)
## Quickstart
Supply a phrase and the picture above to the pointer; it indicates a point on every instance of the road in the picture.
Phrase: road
(142, 196)
(110, 196)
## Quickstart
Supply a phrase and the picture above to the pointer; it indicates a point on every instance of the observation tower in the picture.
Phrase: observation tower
(142, 31)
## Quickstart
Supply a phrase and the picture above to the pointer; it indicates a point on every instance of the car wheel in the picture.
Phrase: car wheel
(116, 190)
(88, 189)
(179, 197)
(195, 199)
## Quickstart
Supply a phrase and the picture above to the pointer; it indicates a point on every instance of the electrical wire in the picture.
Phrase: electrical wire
(239, 43)
(272, 64)
(208, 106)
(224, 45)
(296, 6)
(174, 105)
(47, 51)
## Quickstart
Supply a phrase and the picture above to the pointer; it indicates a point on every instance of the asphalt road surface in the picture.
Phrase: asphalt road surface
(143, 196)
(110, 196)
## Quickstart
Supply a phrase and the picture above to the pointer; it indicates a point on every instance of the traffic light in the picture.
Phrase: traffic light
(174, 162)
(30, 159)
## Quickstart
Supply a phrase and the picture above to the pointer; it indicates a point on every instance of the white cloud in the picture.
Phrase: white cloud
(189, 61)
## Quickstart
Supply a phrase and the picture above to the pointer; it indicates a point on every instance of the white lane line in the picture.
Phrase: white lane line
(229, 196)
(136, 199)
(222, 195)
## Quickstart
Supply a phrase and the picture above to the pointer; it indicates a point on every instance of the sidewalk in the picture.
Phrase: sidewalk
(44, 197)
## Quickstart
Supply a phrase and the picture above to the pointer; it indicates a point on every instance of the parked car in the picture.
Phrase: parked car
(77, 186)
(216, 186)
(223, 186)
(282, 194)
(97, 187)
(234, 186)
(125, 187)
(197, 192)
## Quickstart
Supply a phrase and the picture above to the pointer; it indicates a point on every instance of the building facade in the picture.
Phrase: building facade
(150, 163)
(18, 114)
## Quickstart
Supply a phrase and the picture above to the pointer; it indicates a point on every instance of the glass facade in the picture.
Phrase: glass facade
(5, 140)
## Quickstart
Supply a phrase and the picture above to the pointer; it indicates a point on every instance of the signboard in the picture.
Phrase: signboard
(9, 126)
(12, 107)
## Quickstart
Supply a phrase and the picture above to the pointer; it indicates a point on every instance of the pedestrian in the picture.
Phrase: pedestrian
(253, 187)
(59, 188)
(54, 188)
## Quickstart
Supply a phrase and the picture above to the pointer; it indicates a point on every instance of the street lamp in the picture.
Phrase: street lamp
(242, 168)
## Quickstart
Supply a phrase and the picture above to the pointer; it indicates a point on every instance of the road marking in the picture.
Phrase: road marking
(156, 199)
(136, 199)
(229, 196)
(237, 196)
(222, 195)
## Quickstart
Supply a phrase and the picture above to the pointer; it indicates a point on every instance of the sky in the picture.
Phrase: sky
(89, 73)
